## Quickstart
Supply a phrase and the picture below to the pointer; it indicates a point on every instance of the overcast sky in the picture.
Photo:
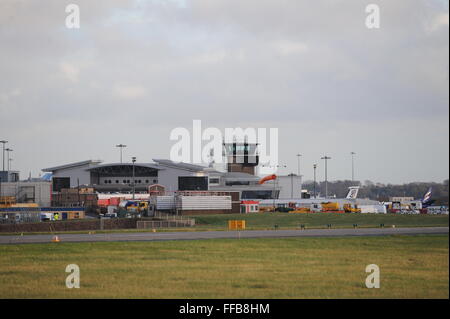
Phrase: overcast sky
(135, 70)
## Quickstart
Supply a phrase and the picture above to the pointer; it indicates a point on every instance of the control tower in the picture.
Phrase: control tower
(241, 157)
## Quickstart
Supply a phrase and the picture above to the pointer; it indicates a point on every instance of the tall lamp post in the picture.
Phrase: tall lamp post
(326, 158)
(121, 146)
(314, 186)
(298, 164)
(353, 166)
(8, 150)
(4, 143)
(133, 159)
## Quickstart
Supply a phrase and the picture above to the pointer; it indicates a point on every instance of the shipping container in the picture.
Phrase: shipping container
(62, 213)
(164, 202)
(103, 202)
(203, 202)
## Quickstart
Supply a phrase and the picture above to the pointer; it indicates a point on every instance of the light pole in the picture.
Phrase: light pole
(8, 150)
(314, 186)
(133, 159)
(292, 185)
(326, 158)
(121, 146)
(9, 163)
(3, 142)
(298, 163)
(353, 166)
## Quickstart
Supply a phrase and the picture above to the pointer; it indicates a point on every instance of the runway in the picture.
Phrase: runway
(165, 236)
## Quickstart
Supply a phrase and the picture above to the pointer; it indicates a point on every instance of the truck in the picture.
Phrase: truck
(330, 207)
(349, 208)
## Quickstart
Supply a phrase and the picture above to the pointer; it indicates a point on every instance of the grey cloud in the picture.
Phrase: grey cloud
(150, 66)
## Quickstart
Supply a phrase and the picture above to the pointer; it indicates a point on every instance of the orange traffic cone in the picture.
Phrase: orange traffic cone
(55, 239)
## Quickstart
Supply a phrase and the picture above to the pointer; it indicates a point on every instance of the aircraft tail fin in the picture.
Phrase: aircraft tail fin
(352, 192)
(426, 201)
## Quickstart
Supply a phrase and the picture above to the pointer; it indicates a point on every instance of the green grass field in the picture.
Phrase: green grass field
(320, 220)
(410, 266)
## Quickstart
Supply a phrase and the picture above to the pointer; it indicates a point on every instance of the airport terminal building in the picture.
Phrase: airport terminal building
(240, 176)
(118, 178)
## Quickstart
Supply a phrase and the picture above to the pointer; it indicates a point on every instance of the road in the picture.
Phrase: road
(163, 236)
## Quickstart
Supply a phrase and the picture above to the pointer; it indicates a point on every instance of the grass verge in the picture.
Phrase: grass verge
(410, 266)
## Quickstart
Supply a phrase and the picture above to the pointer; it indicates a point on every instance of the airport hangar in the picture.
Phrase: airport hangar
(174, 176)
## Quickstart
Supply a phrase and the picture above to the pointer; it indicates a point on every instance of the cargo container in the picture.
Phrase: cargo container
(163, 202)
(372, 209)
(103, 202)
(203, 202)
(62, 213)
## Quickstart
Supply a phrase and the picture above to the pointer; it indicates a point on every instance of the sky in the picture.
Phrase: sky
(135, 70)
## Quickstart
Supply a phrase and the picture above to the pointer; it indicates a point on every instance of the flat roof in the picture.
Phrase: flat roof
(71, 165)
(147, 165)
(180, 165)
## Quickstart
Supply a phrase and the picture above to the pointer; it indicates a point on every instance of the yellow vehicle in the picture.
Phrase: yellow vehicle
(137, 206)
(349, 208)
(330, 206)
(301, 210)
(143, 206)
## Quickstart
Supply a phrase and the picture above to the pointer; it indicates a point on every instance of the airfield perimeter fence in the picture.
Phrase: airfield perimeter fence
(162, 224)
(92, 225)
(165, 216)
(166, 220)
(19, 215)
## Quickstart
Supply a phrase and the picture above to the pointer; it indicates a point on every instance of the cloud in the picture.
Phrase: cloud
(6, 96)
(69, 71)
(290, 47)
(440, 21)
(284, 63)
(129, 92)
